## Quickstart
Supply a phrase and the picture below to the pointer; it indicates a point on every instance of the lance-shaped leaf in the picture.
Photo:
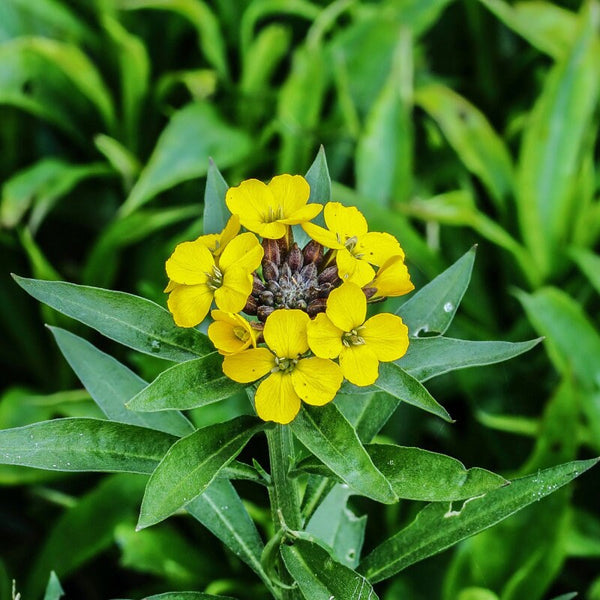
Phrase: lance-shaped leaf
(319, 577)
(439, 526)
(191, 465)
(54, 590)
(331, 438)
(130, 320)
(433, 307)
(187, 596)
(81, 444)
(216, 212)
(427, 358)
(187, 385)
(111, 384)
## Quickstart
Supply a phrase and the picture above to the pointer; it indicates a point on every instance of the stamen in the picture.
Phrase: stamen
(215, 279)
(286, 365)
(350, 243)
(352, 338)
(241, 334)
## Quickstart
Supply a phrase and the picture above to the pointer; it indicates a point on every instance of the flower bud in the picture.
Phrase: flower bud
(266, 297)
(251, 306)
(369, 292)
(295, 259)
(272, 253)
(263, 312)
(313, 253)
(270, 271)
(286, 272)
(308, 274)
(329, 275)
(257, 285)
(316, 306)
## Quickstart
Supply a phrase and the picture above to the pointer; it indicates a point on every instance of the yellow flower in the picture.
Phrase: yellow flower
(341, 331)
(292, 377)
(230, 333)
(392, 279)
(195, 278)
(269, 209)
(357, 248)
(216, 242)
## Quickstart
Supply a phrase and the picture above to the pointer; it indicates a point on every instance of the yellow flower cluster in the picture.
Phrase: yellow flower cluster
(298, 354)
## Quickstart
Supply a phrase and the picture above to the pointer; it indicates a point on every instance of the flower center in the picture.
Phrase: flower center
(286, 365)
(215, 279)
(352, 338)
(274, 215)
(241, 334)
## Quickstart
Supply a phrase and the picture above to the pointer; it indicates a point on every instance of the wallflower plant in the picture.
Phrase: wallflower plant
(293, 320)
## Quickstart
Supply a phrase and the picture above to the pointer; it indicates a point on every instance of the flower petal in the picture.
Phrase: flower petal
(348, 221)
(276, 399)
(243, 251)
(392, 279)
(248, 365)
(272, 231)
(347, 307)
(251, 200)
(233, 293)
(323, 236)
(324, 338)
(359, 364)
(376, 248)
(230, 333)
(291, 192)
(317, 380)
(386, 335)
(211, 241)
(352, 269)
(285, 332)
(189, 304)
(231, 230)
(303, 214)
(190, 263)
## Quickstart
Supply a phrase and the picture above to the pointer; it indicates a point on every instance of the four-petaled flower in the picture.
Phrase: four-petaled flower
(392, 279)
(357, 248)
(270, 209)
(292, 376)
(230, 333)
(196, 277)
(341, 331)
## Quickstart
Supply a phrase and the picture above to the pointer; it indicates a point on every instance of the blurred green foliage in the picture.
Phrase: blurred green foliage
(447, 123)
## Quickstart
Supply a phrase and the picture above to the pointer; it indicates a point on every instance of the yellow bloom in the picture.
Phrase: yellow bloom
(392, 279)
(292, 377)
(357, 248)
(230, 333)
(196, 278)
(269, 209)
(216, 242)
(341, 331)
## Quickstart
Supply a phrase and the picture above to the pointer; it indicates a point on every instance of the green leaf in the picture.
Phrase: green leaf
(430, 357)
(384, 151)
(191, 465)
(54, 590)
(338, 528)
(433, 307)
(111, 385)
(438, 526)
(573, 343)
(216, 213)
(193, 135)
(82, 444)
(470, 134)
(589, 263)
(186, 596)
(319, 577)
(187, 385)
(120, 158)
(331, 438)
(367, 413)
(130, 320)
(554, 139)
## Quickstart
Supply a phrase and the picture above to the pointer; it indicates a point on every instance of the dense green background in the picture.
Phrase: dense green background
(447, 123)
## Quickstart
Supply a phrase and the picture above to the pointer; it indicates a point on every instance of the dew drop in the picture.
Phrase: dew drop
(155, 346)
(448, 307)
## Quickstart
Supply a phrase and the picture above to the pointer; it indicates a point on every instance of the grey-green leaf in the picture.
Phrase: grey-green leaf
(319, 577)
(111, 384)
(187, 596)
(191, 465)
(433, 307)
(186, 385)
(439, 526)
(82, 444)
(130, 320)
(216, 212)
(54, 590)
(330, 437)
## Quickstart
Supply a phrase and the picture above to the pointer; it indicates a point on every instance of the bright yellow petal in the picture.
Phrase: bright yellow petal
(251, 200)
(386, 335)
(323, 236)
(324, 338)
(231, 230)
(272, 231)
(347, 221)
(376, 247)
(276, 399)
(210, 240)
(291, 192)
(243, 251)
(249, 365)
(230, 333)
(392, 278)
(303, 214)
(189, 304)
(317, 380)
(190, 263)
(352, 269)
(233, 293)
(359, 364)
(347, 307)
(170, 286)
(285, 332)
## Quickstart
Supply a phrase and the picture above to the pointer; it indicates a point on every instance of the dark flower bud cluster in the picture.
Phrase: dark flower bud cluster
(292, 278)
